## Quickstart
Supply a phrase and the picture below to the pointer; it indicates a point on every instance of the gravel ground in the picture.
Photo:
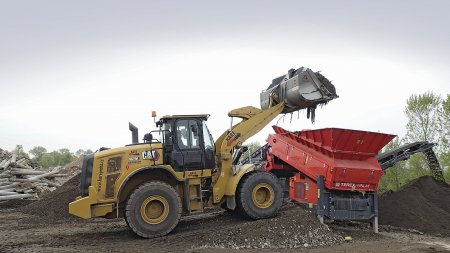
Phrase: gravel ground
(295, 227)
(100, 235)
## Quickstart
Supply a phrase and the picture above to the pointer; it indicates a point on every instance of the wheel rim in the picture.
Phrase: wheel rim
(154, 209)
(263, 195)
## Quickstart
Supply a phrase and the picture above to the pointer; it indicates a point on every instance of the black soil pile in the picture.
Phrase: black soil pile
(54, 206)
(295, 227)
(423, 204)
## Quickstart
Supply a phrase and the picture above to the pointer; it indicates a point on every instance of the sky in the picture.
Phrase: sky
(74, 73)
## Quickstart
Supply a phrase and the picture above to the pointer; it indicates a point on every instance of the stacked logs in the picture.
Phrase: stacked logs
(20, 178)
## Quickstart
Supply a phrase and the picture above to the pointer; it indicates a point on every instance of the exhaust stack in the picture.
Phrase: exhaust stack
(134, 133)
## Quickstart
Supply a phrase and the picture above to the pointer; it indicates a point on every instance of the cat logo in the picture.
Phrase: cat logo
(150, 155)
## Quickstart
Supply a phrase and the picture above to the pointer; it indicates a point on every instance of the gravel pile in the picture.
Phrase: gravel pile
(70, 170)
(423, 204)
(54, 206)
(295, 227)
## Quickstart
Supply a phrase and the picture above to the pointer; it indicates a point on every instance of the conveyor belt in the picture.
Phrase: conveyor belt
(390, 158)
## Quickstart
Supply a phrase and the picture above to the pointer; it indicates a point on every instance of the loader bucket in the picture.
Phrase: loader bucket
(299, 89)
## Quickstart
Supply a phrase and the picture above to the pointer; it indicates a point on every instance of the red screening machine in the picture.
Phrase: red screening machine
(334, 170)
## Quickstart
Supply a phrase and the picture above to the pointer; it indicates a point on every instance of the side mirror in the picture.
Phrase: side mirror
(148, 138)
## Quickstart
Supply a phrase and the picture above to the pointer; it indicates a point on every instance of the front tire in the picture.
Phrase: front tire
(153, 209)
(259, 195)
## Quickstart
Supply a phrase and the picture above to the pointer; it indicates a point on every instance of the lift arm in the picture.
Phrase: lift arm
(298, 89)
(253, 120)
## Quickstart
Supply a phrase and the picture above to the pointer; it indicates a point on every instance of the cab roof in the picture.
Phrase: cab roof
(199, 116)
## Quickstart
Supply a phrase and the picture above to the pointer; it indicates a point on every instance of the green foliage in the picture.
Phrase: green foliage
(447, 175)
(423, 113)
(428, 116)
(428, 120)
(37, 152)
(444, 157)
(446, 114)
(417, 166)
(393, 178)
(19, 151)
(82, 152)
(397, 175)
(444, 160)
(55, 158)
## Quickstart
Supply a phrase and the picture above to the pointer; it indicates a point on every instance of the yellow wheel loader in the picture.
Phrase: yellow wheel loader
(179, 170)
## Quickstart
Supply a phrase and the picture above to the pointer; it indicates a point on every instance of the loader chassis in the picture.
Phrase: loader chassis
(110, 176)
(152, 184)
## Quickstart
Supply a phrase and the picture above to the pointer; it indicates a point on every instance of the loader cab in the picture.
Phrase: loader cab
(187, 143)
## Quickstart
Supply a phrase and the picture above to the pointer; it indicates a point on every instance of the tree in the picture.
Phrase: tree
(444, 160)
(445, 121)
(417, 166)
(428, 120)
(444, 157)
(82, 152)
(395, 176)
(423, 113)
(37, 152)
(48, 160)
(65, 156)
(60, 157)
(19, 151)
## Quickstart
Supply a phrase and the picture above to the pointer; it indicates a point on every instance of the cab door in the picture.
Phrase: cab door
(187, 153)
(208, 145)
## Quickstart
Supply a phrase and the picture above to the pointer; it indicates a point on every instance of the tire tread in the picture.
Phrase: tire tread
(136, 192)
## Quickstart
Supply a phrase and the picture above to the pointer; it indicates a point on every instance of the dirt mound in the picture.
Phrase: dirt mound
(295, 227)
(15, 203)
(53, 207)
(423, 204)
(71, 169)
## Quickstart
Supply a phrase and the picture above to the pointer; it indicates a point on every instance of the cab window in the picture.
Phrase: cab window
(208, 140)
(187, 134)
(167, 134)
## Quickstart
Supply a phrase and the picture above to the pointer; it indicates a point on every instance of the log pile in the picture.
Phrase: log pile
(20, 178)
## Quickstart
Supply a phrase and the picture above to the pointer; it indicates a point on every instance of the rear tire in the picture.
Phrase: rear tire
(259, 195)
(153, 209)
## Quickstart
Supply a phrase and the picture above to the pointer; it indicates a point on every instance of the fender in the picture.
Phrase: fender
(125, 181)
(230, 189)
(234, 180)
